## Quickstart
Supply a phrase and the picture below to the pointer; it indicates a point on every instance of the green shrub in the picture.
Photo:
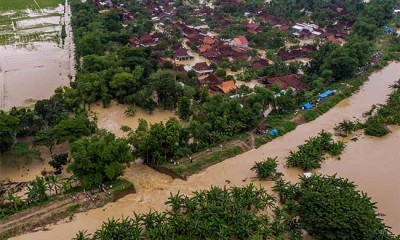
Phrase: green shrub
(266, 169)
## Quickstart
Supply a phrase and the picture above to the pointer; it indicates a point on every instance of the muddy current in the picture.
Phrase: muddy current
(372, 163)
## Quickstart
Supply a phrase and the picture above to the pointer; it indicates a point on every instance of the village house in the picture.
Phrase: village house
(292, 81)
(202, 68)
(240, 41)
(253, 28)
(210, 81)
(181, 55)
(212, 54)
(259, 63)
(303, 52)
(305, 30)
(226, 87)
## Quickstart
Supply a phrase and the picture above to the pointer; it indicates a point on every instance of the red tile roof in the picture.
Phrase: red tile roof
(227, 86)
(201, 66)
(180, 53)
(285, 82)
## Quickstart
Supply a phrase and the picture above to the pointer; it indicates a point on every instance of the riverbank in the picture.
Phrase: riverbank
(153, 188)
(59, 207)
(283, 123)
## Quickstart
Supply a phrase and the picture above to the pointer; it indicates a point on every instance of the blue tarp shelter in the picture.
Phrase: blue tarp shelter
(273, 132)
(325, 94)
(307, 106)
(388, 30)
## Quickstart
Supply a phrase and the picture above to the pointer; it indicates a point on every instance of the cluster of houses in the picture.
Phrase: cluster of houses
(336, 33)
(198, 40)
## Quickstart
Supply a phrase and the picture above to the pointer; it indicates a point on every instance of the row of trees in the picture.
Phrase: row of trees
(37, 191)
(326, 207)
(51, 121)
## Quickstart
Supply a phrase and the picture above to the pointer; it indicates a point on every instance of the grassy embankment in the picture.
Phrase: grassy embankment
(59, 207)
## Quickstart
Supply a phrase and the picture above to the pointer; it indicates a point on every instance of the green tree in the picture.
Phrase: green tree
(37, 190)
(99, 158)
(45, 138)
(184, 108)
(9, 126)
(332, 208)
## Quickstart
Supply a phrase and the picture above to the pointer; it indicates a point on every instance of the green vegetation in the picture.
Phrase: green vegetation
(329, 207)
(310, 155)
(98, 159)
(190, 167)
(347, 127)
(388, 113)
(266, 170)
(326, 207)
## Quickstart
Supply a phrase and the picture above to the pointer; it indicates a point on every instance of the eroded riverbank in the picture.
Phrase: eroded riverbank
(153, 188)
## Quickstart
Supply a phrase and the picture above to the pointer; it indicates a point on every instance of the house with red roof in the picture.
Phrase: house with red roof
(240, 41)
(292, 80)
(226, 87)
(253, 28)
(181, 55)
(202, 68)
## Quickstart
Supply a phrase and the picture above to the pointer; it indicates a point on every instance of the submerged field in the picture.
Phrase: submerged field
(34, 59)
(24, 21)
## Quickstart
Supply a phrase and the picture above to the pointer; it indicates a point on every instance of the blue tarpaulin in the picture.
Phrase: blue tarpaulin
(273, 132)
(325, 94)
(388, 30)
(307, 106)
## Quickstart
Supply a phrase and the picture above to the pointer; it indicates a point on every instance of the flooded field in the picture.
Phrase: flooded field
(26, 169)
(33, 64)
(362, 162)
(113, 117)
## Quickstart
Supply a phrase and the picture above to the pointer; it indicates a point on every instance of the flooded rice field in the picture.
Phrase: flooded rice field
(370, 162)
(113, 117)
(33, 62)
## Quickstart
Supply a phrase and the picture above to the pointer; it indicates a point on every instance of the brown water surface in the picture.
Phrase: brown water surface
(113, 117)
(359, 163)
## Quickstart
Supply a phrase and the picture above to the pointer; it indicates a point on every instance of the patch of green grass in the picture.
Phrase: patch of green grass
(188, 168)
(280, 122)
(14, 5)
(49, 3)
(73, 207)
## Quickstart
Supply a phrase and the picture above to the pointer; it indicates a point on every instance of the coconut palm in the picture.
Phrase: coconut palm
(82, 235)
(53, 183)
(37, 190)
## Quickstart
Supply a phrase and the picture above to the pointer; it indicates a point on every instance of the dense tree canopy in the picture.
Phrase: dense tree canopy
(99, 159)
(9, 126)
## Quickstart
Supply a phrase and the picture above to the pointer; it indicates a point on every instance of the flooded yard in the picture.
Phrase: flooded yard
(373, 170)
(113, 117)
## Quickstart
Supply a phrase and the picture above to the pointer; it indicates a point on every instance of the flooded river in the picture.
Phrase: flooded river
(370, 162)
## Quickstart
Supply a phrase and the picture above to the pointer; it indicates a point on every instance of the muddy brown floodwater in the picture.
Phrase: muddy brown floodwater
(372, 163)
(113, 117)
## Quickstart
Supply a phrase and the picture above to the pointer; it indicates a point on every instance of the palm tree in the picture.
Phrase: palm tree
(37, 190)
(52, 182)
(15, 200)
(82, 235)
